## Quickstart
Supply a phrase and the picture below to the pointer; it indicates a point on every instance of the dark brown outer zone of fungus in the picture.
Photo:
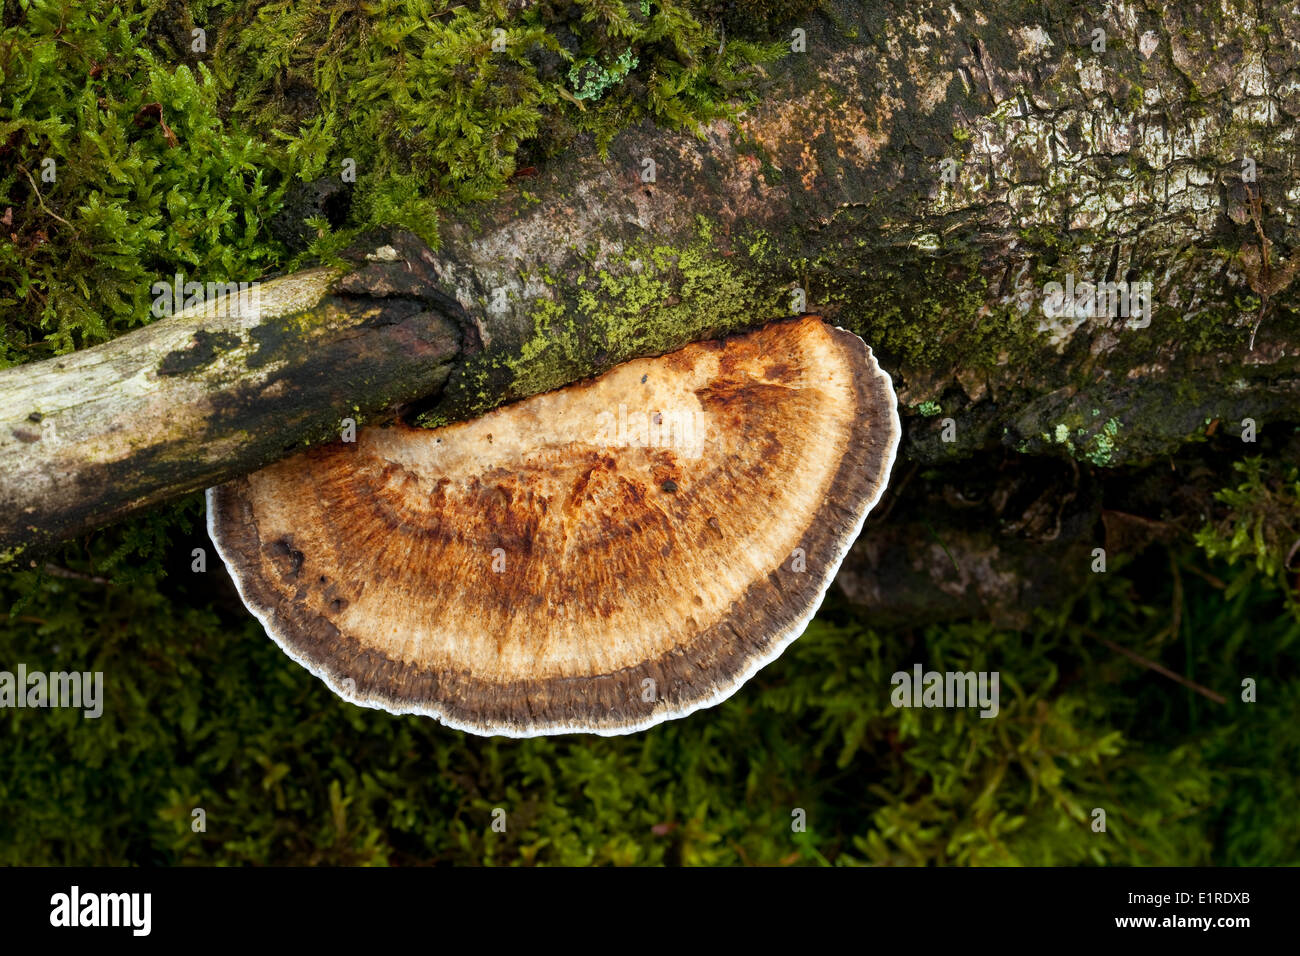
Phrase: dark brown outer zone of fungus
(538, 571)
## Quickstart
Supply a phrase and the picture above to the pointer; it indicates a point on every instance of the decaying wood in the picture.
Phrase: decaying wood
(1127, 164)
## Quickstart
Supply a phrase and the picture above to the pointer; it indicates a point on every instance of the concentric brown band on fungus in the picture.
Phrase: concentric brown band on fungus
(595, 559)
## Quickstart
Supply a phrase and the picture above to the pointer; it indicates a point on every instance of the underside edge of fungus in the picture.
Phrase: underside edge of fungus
(597, 559)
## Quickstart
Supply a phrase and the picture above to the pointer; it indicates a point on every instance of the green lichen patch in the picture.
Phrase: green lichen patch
(1086, 442)
(650, 299)
(591, 80)
(942, 322)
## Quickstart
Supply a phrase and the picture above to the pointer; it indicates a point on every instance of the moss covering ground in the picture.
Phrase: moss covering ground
(203, 712)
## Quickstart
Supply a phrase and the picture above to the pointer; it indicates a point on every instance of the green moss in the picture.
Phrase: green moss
(760, 247)
(768, 16)
(9, 556)
(651, 299)
(434, 104)
(138, 191)
(1258, 524)
(291, 774)
(458, 94)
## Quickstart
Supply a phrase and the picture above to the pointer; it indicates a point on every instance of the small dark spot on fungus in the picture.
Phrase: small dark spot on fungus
(36, 417)
(288, 555)
(26, 436)
(523, 580)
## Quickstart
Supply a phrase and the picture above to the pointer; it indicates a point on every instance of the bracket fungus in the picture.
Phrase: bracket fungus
(595, 559)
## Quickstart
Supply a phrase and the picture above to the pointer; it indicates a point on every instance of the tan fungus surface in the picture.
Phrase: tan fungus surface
(599, 558)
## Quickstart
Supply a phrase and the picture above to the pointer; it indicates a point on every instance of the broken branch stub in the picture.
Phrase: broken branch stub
(232, 381)
(595, 559)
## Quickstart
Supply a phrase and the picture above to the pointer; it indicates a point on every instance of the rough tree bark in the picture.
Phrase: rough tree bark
(917, 175)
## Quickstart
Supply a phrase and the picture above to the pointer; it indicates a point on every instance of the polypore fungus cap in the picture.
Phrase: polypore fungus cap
(598, 559)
